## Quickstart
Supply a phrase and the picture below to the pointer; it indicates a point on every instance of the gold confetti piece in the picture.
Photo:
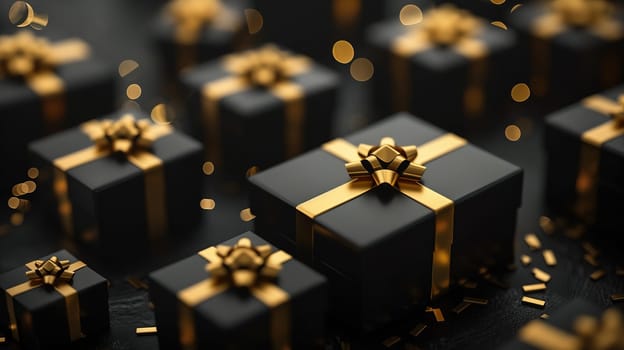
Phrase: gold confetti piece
(246, 215)
(536, 287)
(591, 259)
(479, 301)
(416, 331)
(208, 168)
(362, 69)
(33, 173)
(146, 330)
(549, 257)
(133, 91)
(515, 7)
(590, 249)
(525, 259)
(617, 297)
(544, 316)
(598, 274)
(343, 51)
(391, 341)
(255, 21)
(619, 271)
(126, 67)
(23, 15)
(540, 275)
(410, 14)
(499, 24)
(533, 301)
(547, 225)
(532, 241)
(459, 308)
(437, 313)
(207, 204)
(162, 114)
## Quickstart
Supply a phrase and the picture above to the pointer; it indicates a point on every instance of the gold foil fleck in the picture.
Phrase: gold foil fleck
(459, 308)
(437, 313)
(416, 331)
(146, 330)
(536, 287)
(617, 297)
(391, 341)
(133, 91)
(547, 225)
(246, 215)
(513, 133)
(362, 69)
(343, 51)
(525, 259)
(540, 275)
(33, 173)
(515, 7)
(255, 21)
(126, 67)
(499, 24)
(410, 14)
(544, 316)
(533, 301)
(549, 257)
(480, 301)
(532, 241)
(591, 259)
(520, 92)
(208, 168)
(598, 274)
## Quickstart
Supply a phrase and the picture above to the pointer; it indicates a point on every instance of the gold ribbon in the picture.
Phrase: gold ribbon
(442, 26)
(394, 166)
(589, 333)
(245, 266)
(33, 60)
(592, 141)
(268, 68)
(596, 16)
(132, 139)
(56, 274)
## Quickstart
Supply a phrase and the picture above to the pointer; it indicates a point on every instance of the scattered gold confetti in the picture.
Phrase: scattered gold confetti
(540, 275)
(525, 259)
(362, 69)
(23, 15)
(520, 92)
(532, 241)
(544, 316)
(246, 215)
(146, 330)
(416, 331)
(254, 20)
(162, 114)
(410, 14)
(617, 297)
(515, 7)
(437, 313)
(547, 225)
(549, 257)
(207, 204)
(252, 171)
(499, 24)
(391, 341)
(126, 67)
(497, 2)
(459, 308)
(473, 300)
(590, 259)
(33, 173)
(590, 249)
(598, 274)
(343, 51)
(533, 301)
(536, 287)
(133, 91)
(208, 168)
(513, 133)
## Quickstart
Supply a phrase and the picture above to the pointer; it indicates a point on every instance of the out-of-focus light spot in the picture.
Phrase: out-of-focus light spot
(16, 219)
(23, 15)
(362, 69)
(133, 91)
(130, 105)
(162, 114)
(497, 2)
(127, 66)
(410, 14)
(33, 173)
(13, 202)
(520, 92)
(515, 7)
(246, 215)
(499, 24)
(208, 168)
(252, 171)
(343, 51)
(207, 204)
(254, 20)
(513, 133)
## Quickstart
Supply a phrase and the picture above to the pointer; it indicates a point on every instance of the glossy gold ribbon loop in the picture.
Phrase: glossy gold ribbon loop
(62, 272)
(405, 182)
(129, 137)
(268, 68)
(240, 266)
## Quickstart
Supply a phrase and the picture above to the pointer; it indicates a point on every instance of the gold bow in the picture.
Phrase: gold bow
(386, 163)
(446, 25)
(244, 265)
(618, 114)
(50, 271)
(582, 13)
(23, 54)
(264, 67)
(125, 135)
(191, 15)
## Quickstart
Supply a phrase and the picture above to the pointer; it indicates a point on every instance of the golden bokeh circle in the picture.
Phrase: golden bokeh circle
(520, 92)
(410, 14)
(13, 202)
(133, 91)
(254, 20)
(497, 2)
(126, 67)
(513, 133)
(33, 173)
(162, 114)
(246, 215)
(499, 24)
(208, 168)
(343, 51)
(21, 14)
(16, 219)
(207, 204)
(362, 69)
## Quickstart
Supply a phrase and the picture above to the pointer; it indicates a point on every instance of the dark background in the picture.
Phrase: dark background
(120, 30)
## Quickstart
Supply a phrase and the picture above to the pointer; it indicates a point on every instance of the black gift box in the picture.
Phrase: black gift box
(227, 32)
(236, 319)
(564, 142)
(88, 91)
(253, 122)
(41, 314)
(438, 83)
(376, 249)
(313, 26)
(571, 64)
(108, 195)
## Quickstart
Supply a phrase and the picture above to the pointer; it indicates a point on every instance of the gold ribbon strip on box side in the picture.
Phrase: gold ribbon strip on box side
(246, 267)
(589, 157)
(441, 26)
(133, 139)
(589, 333)
(269, 68)
(372, 166)
(52, 273)
(190, 17)
(33, 60)
(596, 16)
